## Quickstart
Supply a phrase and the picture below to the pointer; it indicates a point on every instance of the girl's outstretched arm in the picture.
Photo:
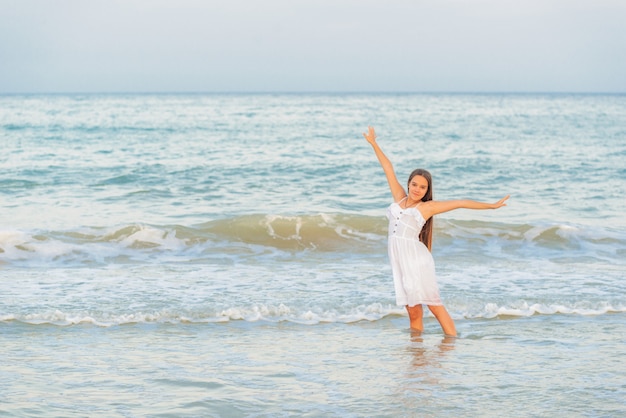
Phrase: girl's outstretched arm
(433, 207)
(397, 191)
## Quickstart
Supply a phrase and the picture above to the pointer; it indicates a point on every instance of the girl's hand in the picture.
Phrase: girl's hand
(370, 135)
(500, 202)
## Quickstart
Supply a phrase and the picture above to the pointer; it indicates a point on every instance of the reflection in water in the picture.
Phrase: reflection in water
(423, 356)
(424, 370)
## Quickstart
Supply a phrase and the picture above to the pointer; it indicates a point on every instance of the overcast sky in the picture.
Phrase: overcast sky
(312, 46)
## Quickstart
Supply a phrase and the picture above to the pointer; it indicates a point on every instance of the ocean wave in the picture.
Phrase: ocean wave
(283, 313)
(493, 310)
(321, 233)
(256, 313)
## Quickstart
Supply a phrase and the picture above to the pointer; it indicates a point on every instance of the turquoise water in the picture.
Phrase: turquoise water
(225, 255)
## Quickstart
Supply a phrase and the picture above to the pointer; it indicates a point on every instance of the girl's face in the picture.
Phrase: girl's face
(418, 186)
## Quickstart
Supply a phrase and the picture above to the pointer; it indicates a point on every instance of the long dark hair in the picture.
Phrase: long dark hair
(426, 236)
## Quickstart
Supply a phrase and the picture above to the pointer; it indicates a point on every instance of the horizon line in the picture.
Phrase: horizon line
(312, 92)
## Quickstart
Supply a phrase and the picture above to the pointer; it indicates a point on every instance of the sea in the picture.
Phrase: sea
(225, 255)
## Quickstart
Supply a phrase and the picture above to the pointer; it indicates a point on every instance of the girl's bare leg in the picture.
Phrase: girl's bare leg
(415, 316)
(445, 320)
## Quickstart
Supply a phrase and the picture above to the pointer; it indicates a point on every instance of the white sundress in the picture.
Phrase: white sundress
(412, 264)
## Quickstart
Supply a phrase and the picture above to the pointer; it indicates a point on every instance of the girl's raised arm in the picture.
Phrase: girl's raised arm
(434, 207)
(397, 191)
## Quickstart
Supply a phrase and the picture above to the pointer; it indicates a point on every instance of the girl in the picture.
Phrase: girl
(410, 238)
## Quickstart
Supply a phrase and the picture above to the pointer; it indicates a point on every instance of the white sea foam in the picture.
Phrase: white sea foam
(283, 313)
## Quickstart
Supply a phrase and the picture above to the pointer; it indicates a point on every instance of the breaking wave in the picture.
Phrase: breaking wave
(321, 233)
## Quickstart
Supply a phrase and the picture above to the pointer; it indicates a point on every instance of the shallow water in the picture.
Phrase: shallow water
(225, 255)
(538, 366)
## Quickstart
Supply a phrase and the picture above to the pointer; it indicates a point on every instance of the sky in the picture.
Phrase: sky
(98, 46)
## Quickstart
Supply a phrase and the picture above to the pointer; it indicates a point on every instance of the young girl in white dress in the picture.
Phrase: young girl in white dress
(410, 238)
